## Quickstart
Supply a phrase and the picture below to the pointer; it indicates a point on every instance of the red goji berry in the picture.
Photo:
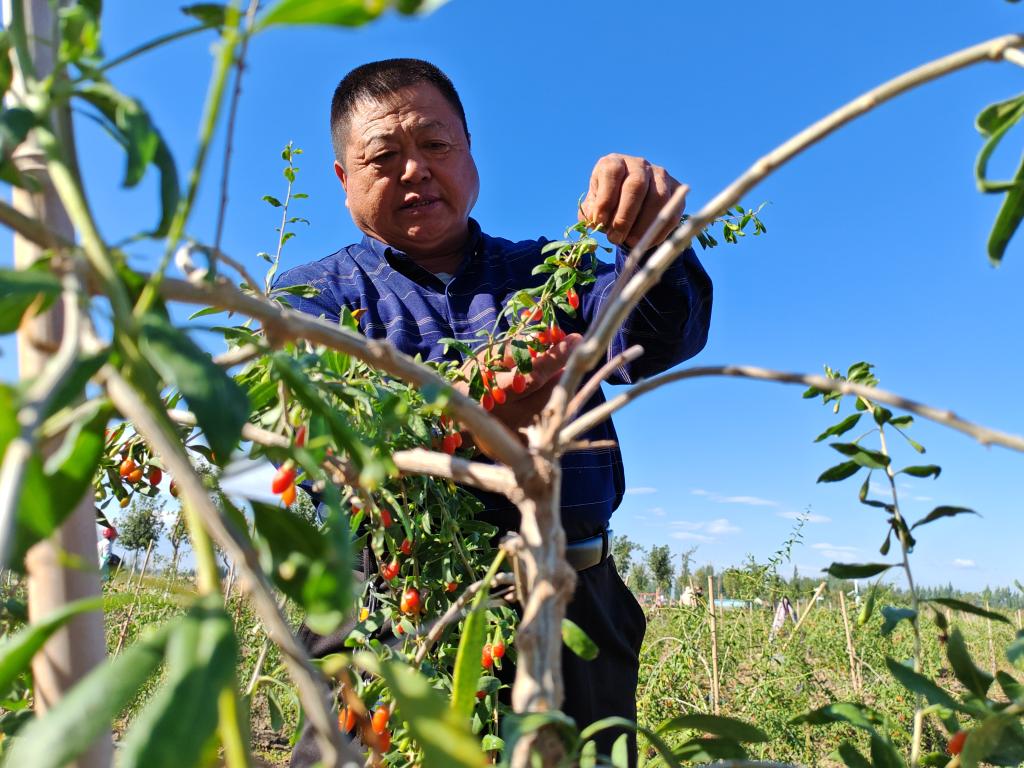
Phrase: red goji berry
(288, 495)
(379, 723)
(285, 476)
(518, 383)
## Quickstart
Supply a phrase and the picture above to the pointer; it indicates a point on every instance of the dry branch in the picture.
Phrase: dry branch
(984, 435)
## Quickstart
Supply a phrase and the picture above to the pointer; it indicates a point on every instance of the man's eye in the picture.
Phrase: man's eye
(383, 157)
(437, 146)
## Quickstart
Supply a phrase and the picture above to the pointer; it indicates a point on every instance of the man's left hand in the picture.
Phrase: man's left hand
(626, 194)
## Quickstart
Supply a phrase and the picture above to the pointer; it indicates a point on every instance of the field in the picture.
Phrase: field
(761, 682)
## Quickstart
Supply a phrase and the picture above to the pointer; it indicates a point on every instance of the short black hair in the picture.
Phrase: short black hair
(377, 81)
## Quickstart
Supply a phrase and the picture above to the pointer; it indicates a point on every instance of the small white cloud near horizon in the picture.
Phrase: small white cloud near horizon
(659, 511)
(690, 536)
(964, 563)
(837, 551)
(750, 501)
(640, 489)
(721, 525)
(809, 516)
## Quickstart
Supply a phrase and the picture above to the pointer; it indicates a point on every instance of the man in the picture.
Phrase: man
(425, 271)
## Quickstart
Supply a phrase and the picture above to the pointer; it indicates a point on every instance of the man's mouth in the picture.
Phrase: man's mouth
(420, 202)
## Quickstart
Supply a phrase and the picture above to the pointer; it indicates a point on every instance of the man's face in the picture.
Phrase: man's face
(409, 177)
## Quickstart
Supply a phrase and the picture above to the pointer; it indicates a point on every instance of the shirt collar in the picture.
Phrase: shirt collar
(386, 252)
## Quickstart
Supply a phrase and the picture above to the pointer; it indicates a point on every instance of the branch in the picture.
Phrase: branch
(32, 412)
(453, 613)
(491, 435)
(415, 461)
(630, 290)
(31, 229)
(984, 435)
(162, 440)
(237, 356)
(594, 382)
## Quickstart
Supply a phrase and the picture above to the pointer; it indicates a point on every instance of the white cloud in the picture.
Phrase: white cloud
(659, 511)
(962, 563)
(640, 489)
(720, 526)
(690, 536)
(809, 516)
(750, 501)
(879, 488)
(922, 498)
(837, 551)
(703, 530)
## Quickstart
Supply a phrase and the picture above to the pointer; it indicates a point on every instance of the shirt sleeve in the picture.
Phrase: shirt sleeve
(671, 322)
(323, 304)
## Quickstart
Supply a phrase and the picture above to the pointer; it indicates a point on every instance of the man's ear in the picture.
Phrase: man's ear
(339, 171)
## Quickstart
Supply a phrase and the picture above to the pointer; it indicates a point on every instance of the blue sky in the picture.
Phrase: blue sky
(875, 248)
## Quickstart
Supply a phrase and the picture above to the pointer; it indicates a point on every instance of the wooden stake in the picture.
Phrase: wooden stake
(74, 650)
(714, 645)
(807, 612)
(991, 645)
(854, 679)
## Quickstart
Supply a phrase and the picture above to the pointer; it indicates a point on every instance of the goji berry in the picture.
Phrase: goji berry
(458, 439)
(379, 723)
(288, 495)
(448, 444)
(498, 650)
(173, 489)
(487, 376)
(573, 298)
(385, 517)
(155, 476)
(388, 571)
(451, 586)
(486, 401)
(300, 436)
(485, 658)
(499, 395)
(347, 720)
(135, 476)
(285, 476)
(518, 383)
(384, 741)
(124, 502)
(127, 467)
(405, 547)
(956, 743)
(410, 602)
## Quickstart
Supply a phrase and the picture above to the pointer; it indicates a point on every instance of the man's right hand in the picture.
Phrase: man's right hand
(521, 409)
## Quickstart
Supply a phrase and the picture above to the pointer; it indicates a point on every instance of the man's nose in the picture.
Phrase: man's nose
(416, 169)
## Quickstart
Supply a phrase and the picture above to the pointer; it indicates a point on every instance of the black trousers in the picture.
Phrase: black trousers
(605, 687)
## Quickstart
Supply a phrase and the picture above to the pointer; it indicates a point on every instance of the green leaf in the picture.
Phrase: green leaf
(842, 427)
(729, 727)
(857, 570)
(88, 709)
(893, 616)
(839, 472)
(467, 658)
(1015, 651)
(1008, 219)
(272, 200)
(175, 723)
(869, 606)
(862, 456)
(219, 403)
(620, 752)
(917, 683)
(857, 715)
(210, 14)
(926, 470)
(851, 757)
(1013, 689)
(345, 13)
(131, 126)
(983, 739)
(19, 288)
(973, 679)
(965, 607)
(274, 707)
(15, 123)
(938, 512)
(17, 650)
(884, 754)
(578, 641)
(441, 732)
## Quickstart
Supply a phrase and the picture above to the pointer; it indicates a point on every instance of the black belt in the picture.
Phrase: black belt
(586, 553)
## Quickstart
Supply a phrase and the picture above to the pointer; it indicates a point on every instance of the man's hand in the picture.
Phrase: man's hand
(625, 196)
(520, 410)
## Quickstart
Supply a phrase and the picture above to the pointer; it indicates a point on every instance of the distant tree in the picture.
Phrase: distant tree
(640, 577)
(178, 538)
(622, 552)
(141, 526)
(659, 563)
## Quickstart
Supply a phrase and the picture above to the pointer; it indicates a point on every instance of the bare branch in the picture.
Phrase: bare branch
(984, 435)
(415, 461)
(594, 382)
(31, 229)
(164, 442)
(30, 416)
(237, 356)
(600, 335)
(492, 436)
(1014, 56)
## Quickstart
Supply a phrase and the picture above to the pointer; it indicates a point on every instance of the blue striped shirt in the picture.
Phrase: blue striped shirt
(414, 310)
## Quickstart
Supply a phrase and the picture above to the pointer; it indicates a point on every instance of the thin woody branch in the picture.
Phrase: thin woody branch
(165, 444)
(491, 435)
(630, 290)
(415, 461)
(984, 435)
(594, 382)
